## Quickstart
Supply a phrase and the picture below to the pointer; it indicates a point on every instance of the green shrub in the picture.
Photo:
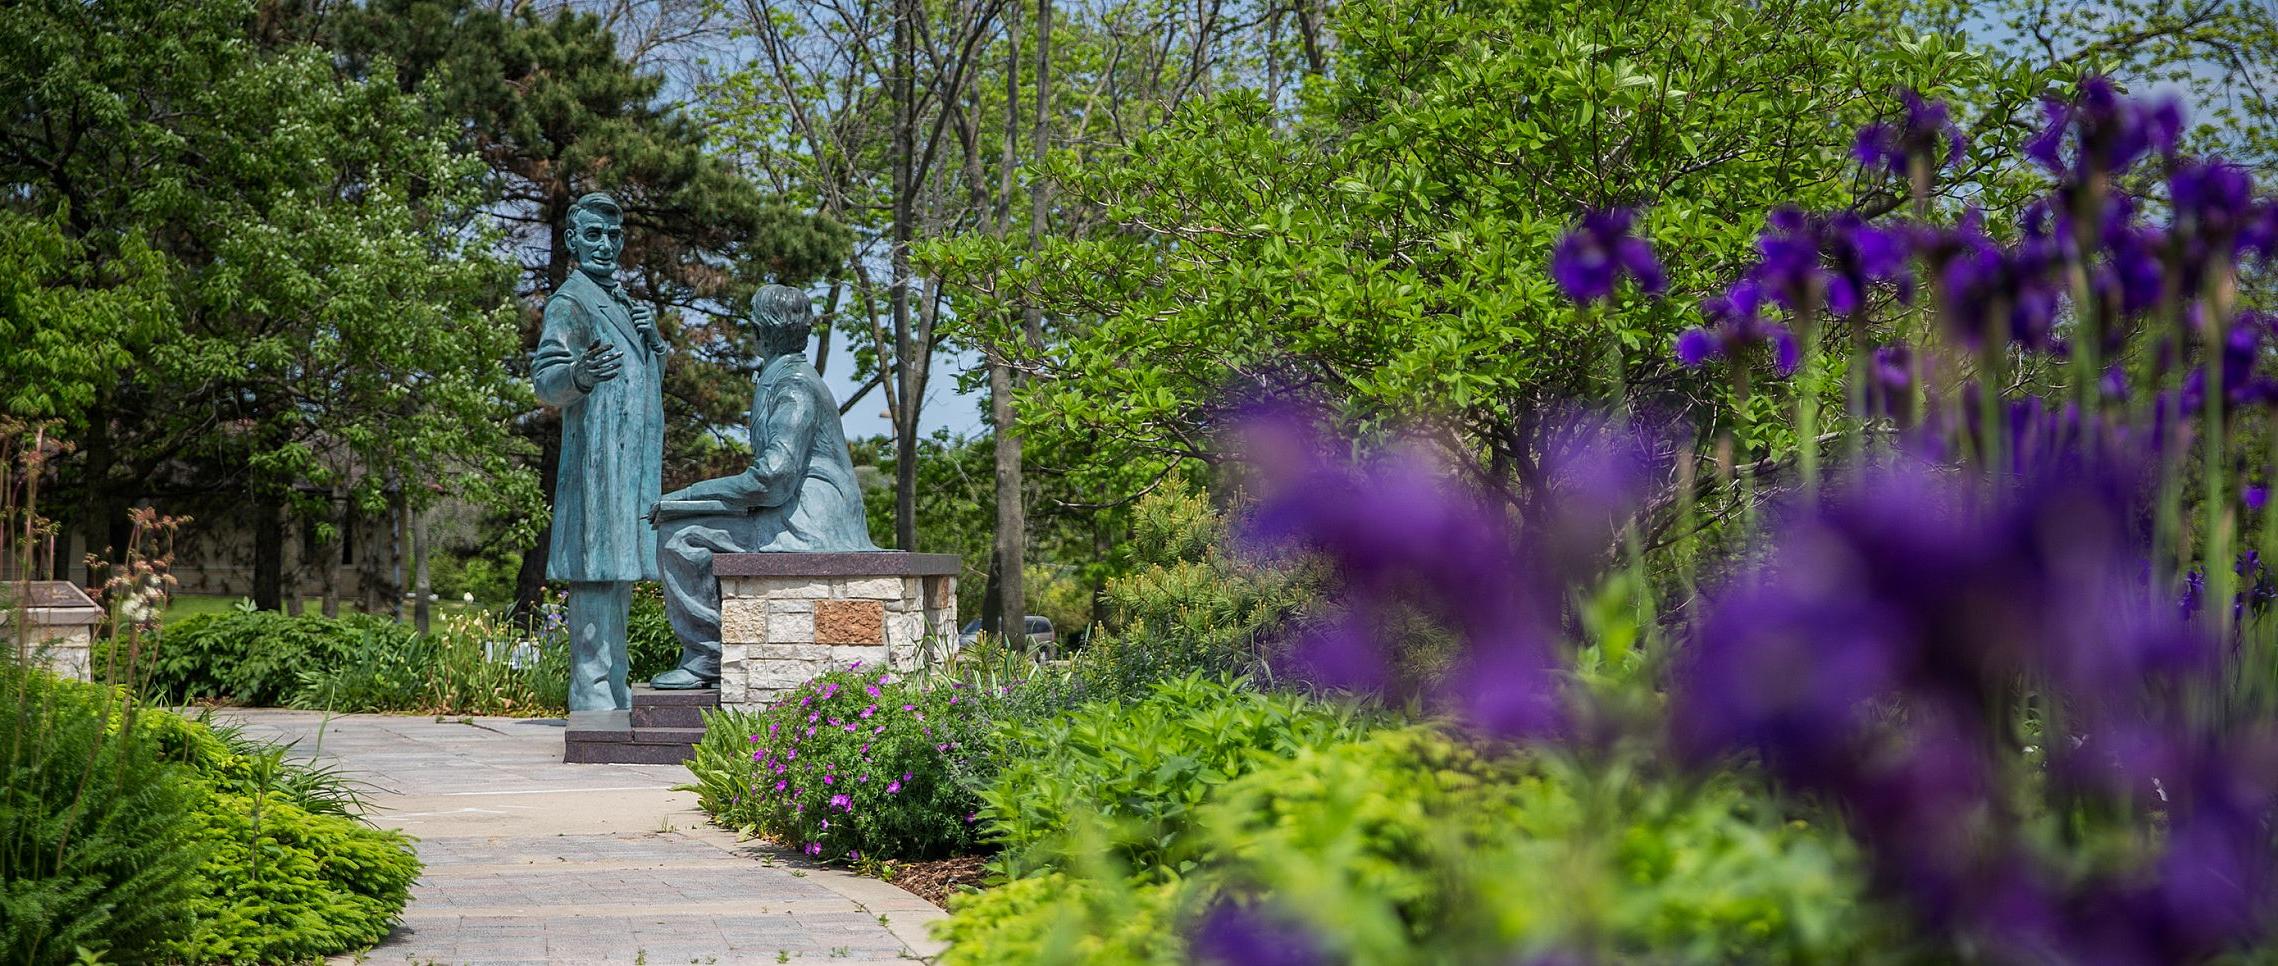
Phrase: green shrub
(182, 842)
(257, 657)
(650, 646)
(1366, 828)
(1142, 768)
(289, 872)
(1410, 847)
(489, 576)
(856, 764)
(1057, 918)
(1191, 607)
(462, 666)
(285, 884)
(97, 830)
(1407, 846)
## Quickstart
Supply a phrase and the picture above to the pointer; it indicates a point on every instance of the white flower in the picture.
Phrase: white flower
(469, 597)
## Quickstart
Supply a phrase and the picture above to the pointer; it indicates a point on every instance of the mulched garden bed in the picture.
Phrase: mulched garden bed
(935, 881)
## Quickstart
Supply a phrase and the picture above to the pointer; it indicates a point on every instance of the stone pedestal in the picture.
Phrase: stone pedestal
(786, 617)
(60, 624)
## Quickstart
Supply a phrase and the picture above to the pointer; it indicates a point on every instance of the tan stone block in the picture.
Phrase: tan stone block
(742, 587)
(905, 630)
(743, 619)
(735, 683)
(792, 628)
(810, 653)
(784, 588)
(872, 588)
(778, 675)
(850, 622)
(940, 592)
(844, 655)
(801, 606)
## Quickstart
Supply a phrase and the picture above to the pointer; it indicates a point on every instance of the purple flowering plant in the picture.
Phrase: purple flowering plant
(878, 772)
(1982, 647)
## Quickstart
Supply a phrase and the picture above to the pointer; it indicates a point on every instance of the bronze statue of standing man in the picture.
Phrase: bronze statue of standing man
(600, 361)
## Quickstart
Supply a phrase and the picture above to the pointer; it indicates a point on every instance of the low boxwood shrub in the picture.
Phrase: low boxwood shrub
(1142, 768)
(856, 764)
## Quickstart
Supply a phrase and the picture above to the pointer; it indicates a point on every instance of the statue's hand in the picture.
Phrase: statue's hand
(645, 322)
(598, 364)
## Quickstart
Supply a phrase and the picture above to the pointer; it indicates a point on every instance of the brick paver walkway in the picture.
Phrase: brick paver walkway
(533, 861)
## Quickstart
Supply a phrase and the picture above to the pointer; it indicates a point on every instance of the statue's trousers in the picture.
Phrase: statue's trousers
(597, 611)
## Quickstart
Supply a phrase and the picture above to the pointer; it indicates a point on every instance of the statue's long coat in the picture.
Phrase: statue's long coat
(612, 465)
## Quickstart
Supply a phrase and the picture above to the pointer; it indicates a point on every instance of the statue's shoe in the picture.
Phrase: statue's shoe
(682, 679)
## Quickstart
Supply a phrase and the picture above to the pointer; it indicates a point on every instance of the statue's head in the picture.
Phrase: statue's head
(596, 233)
(784, 318)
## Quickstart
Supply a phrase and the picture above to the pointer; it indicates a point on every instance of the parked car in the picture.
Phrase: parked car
(1039, 632)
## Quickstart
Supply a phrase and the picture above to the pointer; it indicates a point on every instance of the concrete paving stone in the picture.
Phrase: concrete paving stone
(533, 861)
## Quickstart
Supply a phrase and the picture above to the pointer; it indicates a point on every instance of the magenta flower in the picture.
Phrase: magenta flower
(893, 788)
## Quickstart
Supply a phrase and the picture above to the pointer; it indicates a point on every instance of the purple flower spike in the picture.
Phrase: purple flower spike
(2108, 133)
(1235, 935)
(1695, 347)
(1592, 257)
(1737, 328)
(1928, 132)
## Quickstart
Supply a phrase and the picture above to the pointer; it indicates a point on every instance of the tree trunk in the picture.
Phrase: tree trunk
(399, 560)
(268, 551)
(95, 509)
(1008, 557)
(992, 612)
(1012, 514)
(906, 415)
(369, 562)
(422, 604)
(328, 576)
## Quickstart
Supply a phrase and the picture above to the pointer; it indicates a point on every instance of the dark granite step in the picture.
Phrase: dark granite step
(672, 709)
(610, 737)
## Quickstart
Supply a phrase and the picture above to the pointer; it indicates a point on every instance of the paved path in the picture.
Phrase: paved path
(533, 861)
